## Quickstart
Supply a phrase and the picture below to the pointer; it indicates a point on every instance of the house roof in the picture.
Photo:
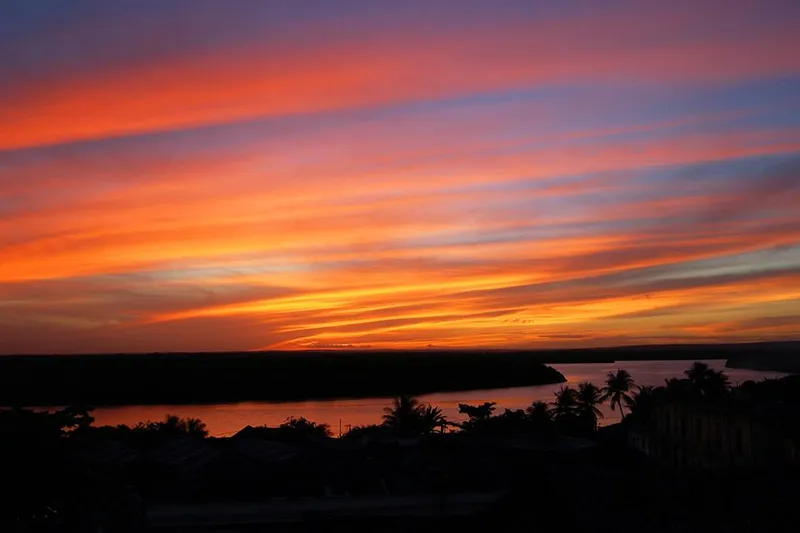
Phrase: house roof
(263, 450)
(105, 453)
(185, 454)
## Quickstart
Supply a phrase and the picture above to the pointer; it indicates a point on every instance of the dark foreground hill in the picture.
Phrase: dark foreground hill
(210, 378)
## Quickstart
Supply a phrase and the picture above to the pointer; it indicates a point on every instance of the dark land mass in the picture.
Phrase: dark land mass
(278, 376)
(186, 378)
(610, 354)
(782, 357)
(668, 352)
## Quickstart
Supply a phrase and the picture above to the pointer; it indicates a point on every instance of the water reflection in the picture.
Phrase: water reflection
(226, 419)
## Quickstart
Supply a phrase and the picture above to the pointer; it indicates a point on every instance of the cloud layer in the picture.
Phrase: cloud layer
(192, 177)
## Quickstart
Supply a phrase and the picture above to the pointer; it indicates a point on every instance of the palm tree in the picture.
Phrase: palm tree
(642, 396)
(707, 382)
(403, 416)
(677, 388)
(618, 385)
(539, 414)
(697, 373)
(587, 399)
(565, 405)
(431, 418)
(641, 404)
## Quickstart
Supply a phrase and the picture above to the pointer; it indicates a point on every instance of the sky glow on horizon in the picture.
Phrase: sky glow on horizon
(201, 175)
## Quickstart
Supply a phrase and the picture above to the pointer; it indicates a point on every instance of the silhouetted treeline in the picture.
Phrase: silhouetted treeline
(208, 378)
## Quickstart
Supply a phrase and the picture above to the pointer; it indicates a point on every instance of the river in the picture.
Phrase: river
(227, 419)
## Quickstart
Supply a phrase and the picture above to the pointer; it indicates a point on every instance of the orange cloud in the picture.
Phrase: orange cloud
(397, 64)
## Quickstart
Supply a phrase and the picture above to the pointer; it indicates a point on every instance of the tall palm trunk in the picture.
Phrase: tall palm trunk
(619, 405)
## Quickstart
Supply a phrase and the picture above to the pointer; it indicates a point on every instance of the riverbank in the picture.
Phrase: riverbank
(783, 357)
(227, 418)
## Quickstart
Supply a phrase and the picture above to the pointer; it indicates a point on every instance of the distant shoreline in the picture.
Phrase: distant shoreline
(604, 354)
(228, 378)
(209, 378)
(786, 360)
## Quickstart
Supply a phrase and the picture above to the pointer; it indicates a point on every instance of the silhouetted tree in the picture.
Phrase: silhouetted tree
(301, 429)
(587, 398)
(618, 386)
(697, 373)
(707, 382)
(565, 412)
(641, 404)
(510, 422)
(172, 426)
(565, 406)
(403, 415)
(539, 414)
(408, 417)
(716, 385)
(679, 389)
(478, 416)
(195, 427)
(26, 423)
(373, 430)
(477, 412)
(431, 419)
(75, 418)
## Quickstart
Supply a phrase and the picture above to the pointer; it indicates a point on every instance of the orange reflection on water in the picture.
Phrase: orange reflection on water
(226, 419)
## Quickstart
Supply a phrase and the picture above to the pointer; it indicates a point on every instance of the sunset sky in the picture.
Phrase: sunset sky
(191, 175)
